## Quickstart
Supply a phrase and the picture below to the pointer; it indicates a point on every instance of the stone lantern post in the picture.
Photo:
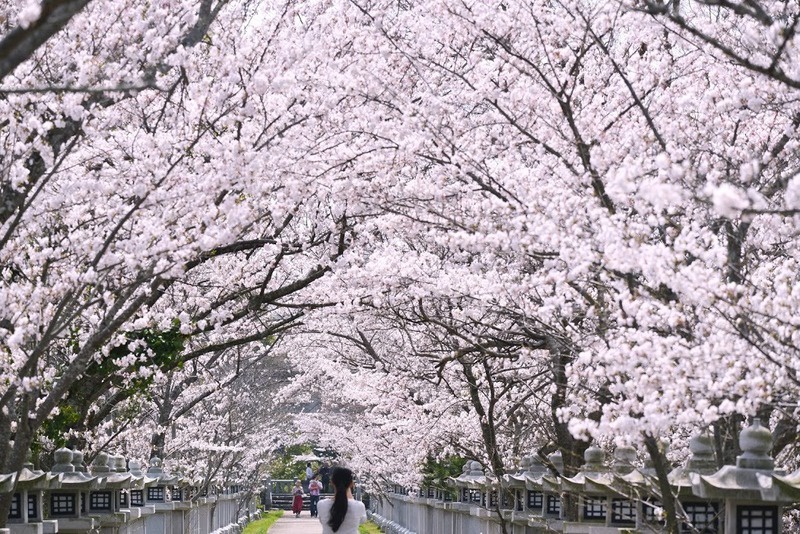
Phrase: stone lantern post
(160, 491)
(105, 503)
(516, 486)
(182, 491)
(67, 502)
(26, 512)
(550, 485)
(625, 486)
(531, 497)
(159, 496)
(593, 486)
(470, 493)
(139, 483)
(125, 482)
(739, 486)
(702, 512)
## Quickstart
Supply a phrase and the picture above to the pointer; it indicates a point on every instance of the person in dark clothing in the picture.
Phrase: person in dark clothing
(324, 476)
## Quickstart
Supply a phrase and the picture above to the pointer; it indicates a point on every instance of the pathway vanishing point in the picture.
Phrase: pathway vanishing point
(289, 524)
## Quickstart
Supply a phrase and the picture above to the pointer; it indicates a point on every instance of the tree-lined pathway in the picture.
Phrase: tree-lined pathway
(289, 524)
(379, 209)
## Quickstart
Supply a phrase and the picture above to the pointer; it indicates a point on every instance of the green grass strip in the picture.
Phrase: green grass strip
(369, 528)
(262, 525)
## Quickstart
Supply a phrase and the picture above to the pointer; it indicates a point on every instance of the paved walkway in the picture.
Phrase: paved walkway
(289, 524)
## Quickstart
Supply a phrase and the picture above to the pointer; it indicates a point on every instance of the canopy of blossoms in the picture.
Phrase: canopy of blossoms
(476, 228)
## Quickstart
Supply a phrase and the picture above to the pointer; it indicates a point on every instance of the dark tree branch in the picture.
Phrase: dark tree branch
(20, 43)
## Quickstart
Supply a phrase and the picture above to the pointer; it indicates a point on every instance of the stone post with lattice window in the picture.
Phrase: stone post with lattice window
(744, 490)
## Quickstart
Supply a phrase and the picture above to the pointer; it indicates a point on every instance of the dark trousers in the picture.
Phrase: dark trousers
(314, 499)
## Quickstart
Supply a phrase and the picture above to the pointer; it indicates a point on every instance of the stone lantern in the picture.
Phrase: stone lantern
(469, 492)
(483, 485)
(182, 490)
(106, 502)
(136, 495)
(624, 485)
(67, 502)
(592, 486)
(530, 496)
(740, 488)
(633, 485)
(550, 486)
(160, 491)
(516, 485)
(27, 501)
(494, 490)
(159, 495)
(124, 480)
(528, 482)
(701, 511)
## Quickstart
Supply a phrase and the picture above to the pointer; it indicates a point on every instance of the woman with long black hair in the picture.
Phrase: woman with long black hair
(342, 514)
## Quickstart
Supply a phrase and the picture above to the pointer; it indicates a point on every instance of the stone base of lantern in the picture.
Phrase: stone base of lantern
(587, 528)
(460, 507)
(481, 512)
(515, 516)
(110, 523)
(132, 513)
(544, 524)
(76, 525)
(26, 528)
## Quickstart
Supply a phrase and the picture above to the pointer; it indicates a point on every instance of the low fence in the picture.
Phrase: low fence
(111, 498)
(406, 514)
(747, 498)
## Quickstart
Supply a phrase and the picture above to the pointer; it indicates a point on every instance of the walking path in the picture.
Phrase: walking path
(289, 524)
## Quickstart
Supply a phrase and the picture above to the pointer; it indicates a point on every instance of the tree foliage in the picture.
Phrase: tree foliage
(475, 229)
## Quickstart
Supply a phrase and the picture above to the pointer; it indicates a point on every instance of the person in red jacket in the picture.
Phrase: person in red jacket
(297, 500)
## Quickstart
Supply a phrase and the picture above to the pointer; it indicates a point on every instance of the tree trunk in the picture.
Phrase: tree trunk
(571, 449)
(726, 439)
(668, 501)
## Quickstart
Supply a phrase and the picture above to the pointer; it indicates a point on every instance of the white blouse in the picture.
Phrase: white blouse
(356, 514)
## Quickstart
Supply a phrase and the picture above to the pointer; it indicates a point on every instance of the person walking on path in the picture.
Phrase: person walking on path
(342, 514)
(325, 475)
(309, 475)
(314, 487)
(297, 500)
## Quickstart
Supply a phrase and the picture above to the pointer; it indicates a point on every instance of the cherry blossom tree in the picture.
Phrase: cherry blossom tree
(476, 228)
(168, 181)
(602, 172)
